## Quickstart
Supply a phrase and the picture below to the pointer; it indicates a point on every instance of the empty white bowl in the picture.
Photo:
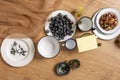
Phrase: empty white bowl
(48, 47)
(104, 11)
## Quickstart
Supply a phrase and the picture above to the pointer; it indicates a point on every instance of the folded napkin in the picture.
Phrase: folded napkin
(25, 16)
(86, 43)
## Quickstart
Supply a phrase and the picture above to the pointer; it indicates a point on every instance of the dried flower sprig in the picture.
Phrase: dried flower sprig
(77, 12)
(17, 49)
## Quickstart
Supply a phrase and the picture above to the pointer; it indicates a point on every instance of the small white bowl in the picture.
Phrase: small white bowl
(48, 47)
(104, 11)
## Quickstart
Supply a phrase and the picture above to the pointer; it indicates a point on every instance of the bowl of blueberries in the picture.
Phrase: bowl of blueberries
(60, 24)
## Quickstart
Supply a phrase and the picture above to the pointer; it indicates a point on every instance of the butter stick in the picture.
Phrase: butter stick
(86, 43)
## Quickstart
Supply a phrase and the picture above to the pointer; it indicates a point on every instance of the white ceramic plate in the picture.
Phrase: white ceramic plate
(104, 11)
(17, 59)
(101, 35)
(48, 47)
(70, 16)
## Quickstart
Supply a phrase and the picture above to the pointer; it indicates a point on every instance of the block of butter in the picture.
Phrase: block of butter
(86, 43)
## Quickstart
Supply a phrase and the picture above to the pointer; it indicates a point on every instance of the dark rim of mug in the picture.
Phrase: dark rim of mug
(47, 57)
(61, 74)
(74, 41)
(82, 18)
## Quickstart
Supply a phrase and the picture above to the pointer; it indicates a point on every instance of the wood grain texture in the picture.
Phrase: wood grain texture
(99, 64)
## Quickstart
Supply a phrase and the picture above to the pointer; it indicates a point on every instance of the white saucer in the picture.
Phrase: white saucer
(48, 47)
(63, 12)
(101, 35)
(17, 59)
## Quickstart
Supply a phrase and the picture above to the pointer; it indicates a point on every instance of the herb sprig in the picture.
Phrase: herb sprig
(17, 49)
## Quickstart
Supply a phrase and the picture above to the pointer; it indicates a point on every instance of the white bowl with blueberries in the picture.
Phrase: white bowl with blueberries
(61, 24)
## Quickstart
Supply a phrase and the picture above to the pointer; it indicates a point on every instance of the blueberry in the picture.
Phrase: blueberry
(60, 14)
(47, 31)
(52, 19)
(56, 24)
(65, 17)
(70, 33)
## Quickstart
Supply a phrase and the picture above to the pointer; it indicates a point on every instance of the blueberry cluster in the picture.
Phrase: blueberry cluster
(60, 26)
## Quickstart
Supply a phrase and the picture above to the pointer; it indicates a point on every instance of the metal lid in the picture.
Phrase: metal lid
(62, 69)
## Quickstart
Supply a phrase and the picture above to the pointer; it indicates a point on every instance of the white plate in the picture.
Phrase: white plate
(70, 16)
(17, 60)
(48, 47)
(101, 35)
(104, 11)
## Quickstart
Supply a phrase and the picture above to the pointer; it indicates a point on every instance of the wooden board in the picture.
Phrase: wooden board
(100, 64)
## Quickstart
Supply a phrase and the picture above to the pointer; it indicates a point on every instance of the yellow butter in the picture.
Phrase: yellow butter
(86, 43)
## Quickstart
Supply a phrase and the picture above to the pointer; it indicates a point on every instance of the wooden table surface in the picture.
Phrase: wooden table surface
(99, 64)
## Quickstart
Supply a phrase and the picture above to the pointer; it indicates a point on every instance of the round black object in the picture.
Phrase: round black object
(62, 69)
